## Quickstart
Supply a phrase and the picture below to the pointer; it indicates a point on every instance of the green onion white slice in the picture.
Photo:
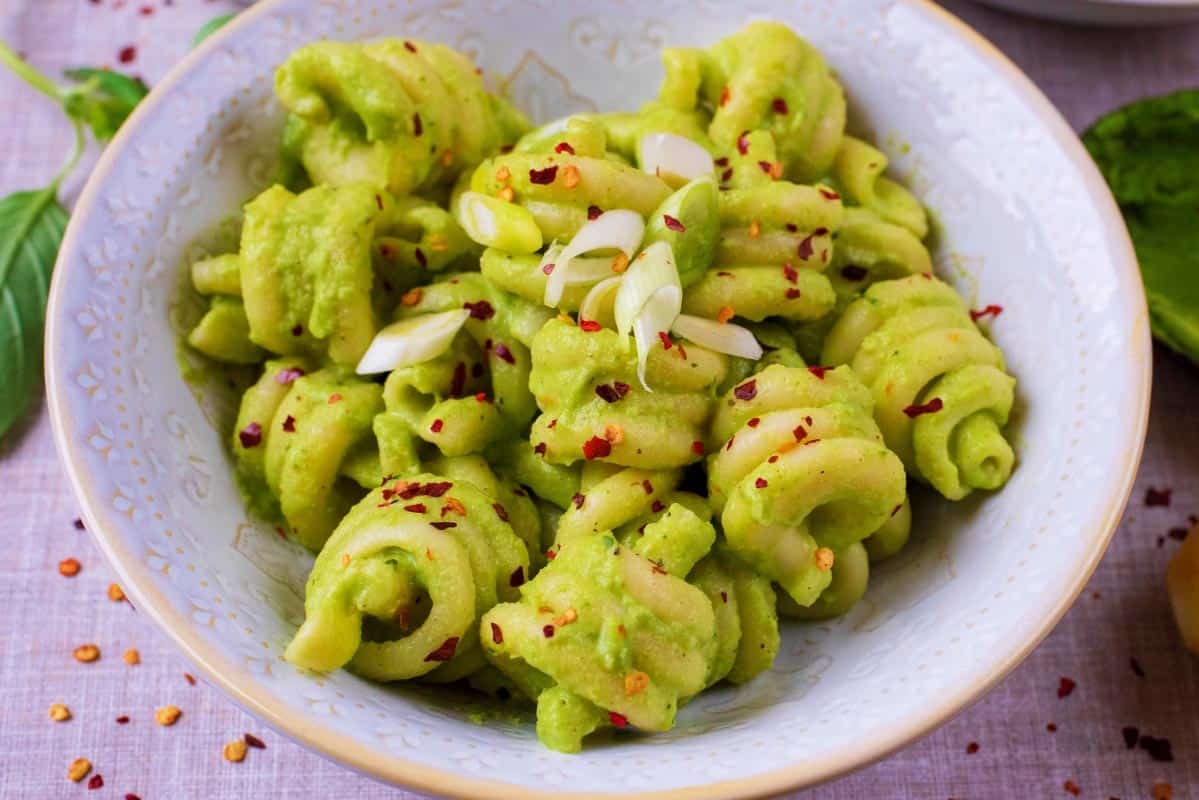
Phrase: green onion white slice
(494, 223)
(619, 229)
(673, 158)
(598, 303)
(412, 341)
(648, 300)
(721, 337)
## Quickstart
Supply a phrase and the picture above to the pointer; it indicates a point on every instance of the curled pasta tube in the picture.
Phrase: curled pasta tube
(799, 471)
(940, 391)
(747, 623)
(610, 497)
(397, 591)
(297, 437)
(401, 115)
(593, 406)
(622, 640)
(764, 77)
(560, 189)
(307, 271)
(859, 172)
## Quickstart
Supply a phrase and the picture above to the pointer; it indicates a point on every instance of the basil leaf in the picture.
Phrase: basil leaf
(212, 26)
(103, 100)
(31, 230)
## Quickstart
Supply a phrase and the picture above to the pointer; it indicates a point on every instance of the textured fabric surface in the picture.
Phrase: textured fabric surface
(1122, 615)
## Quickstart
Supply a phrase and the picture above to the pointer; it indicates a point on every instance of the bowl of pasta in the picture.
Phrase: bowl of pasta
(523, 399)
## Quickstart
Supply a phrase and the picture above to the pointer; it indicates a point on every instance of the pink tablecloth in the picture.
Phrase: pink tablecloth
(1029, 742)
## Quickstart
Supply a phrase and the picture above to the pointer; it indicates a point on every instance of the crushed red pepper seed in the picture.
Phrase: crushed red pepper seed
(123, 719)
(253, 741)
(191, 679)
(497, 634)
(1065, 687)
(972, 748)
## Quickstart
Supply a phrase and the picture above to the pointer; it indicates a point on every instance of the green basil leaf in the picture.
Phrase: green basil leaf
(212, 26)
(31, 230)
(103, 100)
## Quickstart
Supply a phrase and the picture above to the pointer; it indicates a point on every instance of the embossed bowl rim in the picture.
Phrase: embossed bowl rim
(243, 687)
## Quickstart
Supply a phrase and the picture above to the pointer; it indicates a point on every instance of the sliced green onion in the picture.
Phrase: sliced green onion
(597, 306)
(412, 341)
(722, 337)
(673, 158)
(619, 229)
(583, 271)
(648, 300)
(494, 223)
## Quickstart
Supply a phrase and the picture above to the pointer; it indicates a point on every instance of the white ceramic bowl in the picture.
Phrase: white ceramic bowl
(1025, 222)
(1105, 12)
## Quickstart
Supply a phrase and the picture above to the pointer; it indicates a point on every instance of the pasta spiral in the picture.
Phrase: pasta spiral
(397, 591)
(617, 638)
(941, 394)
(764, 77)
(297, 436)
(799, 473)
(593, 406)
(400, 115)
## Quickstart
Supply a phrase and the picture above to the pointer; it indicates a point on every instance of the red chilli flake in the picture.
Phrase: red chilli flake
(805, 248)
(420, 257)
(564, 147)
(416, 508)
(613, 393)
(253, 741)
(764, 166)
(790, 273)
(727, 175)
(543, 177)
(123, 720)
(1136, 667)
(548, 269)
(799, 433)
(725, 94)
(760, 483)
(504, 354)
(458, 383)
(673, 223)
(665, 338)
(723, 161)
(500, 512)
(480, 310)
(779, 105)
(1131, 736)
(497, 635)
(647, 486)
(249, 436)
(595, 447)
(793, 294)
(829, 194)
(743, 143)
(724, 596)
(79, 526)
(1158, 497)
(297, 330)
(444, 526)
(1158, 749)
(517, 578)
(548, 631)
(437, 426)
(853, 273)
(697, 447)
(972, 748)
(445, 652)
(618, 720)
(409, 46)
(417, 126)
(96, 782)
(1065, 687)
(931, 407)
(289, 424)
(657, 506)
(539, 448)
(754, 422)
(593, 212)
(746, 391)
(989, 311)
(127, 54)
(191, 679)
(589, 325)
(578, 499)
(819, 372)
